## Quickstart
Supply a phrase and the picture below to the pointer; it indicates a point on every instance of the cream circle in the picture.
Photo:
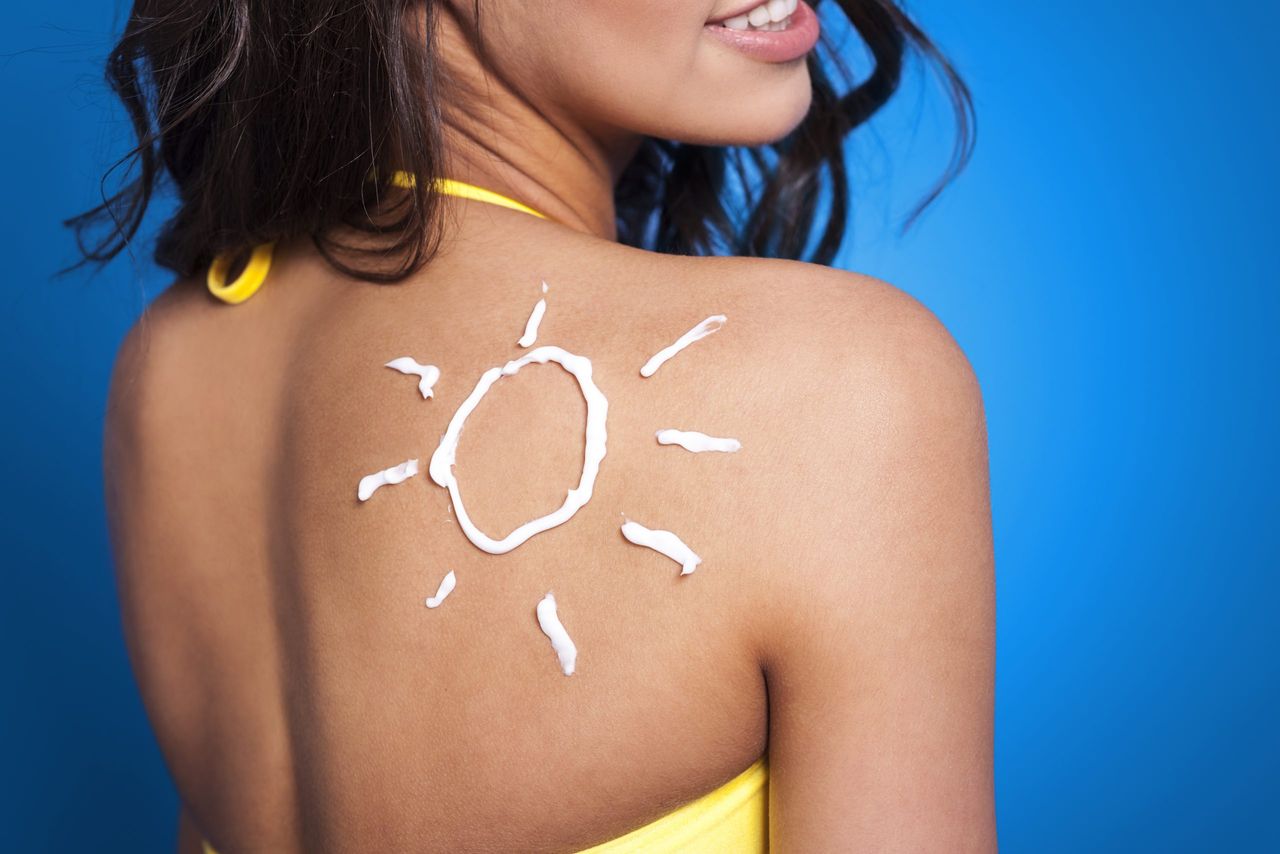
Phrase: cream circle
(442, 461)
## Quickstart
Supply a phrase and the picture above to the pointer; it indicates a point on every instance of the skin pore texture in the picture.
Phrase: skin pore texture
(842, 614)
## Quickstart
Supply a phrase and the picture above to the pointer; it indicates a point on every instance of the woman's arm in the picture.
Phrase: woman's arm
(880, 670)
(188, 834)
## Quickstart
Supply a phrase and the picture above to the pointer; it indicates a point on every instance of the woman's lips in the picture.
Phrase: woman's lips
(794, 42)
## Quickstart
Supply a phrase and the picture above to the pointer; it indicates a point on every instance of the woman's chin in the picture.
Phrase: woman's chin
(746, 126)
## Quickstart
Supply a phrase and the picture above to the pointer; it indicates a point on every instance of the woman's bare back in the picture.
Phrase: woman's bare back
(306, 699)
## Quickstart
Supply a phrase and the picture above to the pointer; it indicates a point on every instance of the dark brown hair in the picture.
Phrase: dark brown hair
(269, 116)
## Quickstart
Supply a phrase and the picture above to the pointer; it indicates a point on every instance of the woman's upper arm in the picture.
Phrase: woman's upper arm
(189, 840)
(880, 660)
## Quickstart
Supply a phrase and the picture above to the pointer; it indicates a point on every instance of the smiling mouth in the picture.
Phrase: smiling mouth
(779, 31)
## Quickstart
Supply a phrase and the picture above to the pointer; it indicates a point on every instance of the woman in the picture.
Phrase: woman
(780, 638)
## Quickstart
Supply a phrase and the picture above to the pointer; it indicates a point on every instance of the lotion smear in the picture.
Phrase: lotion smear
(442, 461)
(531, 327)
(692, 440)
(446, 587)
(702, 330)
(560, 640)
(370, 484)
(428, 374)
(663, 542)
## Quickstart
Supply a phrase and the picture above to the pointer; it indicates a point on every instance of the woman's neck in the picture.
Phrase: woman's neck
(545, 159)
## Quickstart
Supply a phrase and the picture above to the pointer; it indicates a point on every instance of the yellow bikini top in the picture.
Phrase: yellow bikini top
(734, 817)
(255, 272)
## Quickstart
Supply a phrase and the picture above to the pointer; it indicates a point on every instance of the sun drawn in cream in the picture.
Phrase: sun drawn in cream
(442, 461)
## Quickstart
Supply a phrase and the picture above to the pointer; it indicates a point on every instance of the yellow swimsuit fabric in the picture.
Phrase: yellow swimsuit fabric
(733, 818)
(255, 272)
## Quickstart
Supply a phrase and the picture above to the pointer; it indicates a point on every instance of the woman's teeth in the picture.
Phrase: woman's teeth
(771, 15)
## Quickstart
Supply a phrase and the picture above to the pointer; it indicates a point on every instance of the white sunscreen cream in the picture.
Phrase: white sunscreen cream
(702, 330)
(370, 484)
(446, 587)
(531, 326)
(663, 542)
(442, 460)
(560, 640)
(428, 374)
(692, 440)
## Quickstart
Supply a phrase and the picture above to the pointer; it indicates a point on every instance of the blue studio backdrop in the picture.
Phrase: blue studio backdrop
(1107, 262)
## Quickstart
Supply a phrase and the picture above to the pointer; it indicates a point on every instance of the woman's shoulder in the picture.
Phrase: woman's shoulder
(836, 335)
(864, 405)
(851, 389)
(815, 308)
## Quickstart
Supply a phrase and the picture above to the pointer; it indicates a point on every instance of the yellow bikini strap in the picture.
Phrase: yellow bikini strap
(452, 187)
(255, 272)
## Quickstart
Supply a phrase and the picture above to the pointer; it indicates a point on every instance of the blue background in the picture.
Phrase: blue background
(1108, 262)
